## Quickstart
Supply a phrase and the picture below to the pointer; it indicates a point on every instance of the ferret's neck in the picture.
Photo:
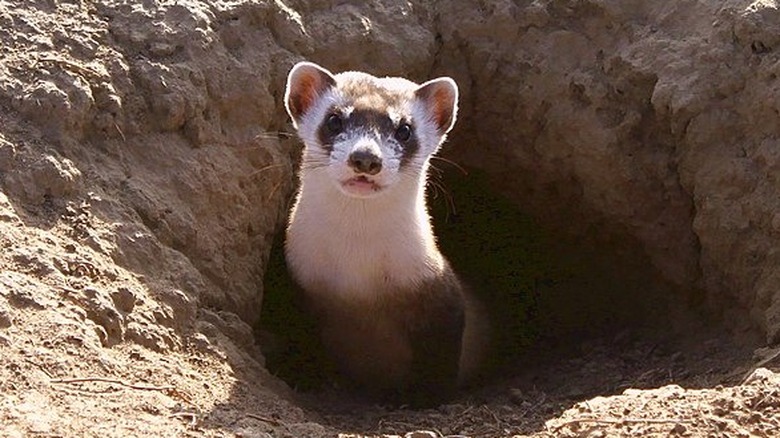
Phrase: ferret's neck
(354, 245)
(400, 210)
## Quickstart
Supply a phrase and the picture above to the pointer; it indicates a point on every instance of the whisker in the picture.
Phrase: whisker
(312, 167)
(435, 171)
(449, 200)
(275, 134)
(316, 159)
(310, 164)
(264, 168)
(253, 173)
(450, 162)
(436, 182)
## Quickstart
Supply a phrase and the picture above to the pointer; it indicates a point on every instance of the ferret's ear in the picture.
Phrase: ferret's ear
(440, 98)
(305, 84)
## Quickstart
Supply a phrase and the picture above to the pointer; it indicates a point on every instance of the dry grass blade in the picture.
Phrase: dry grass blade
(114, 381)
(270, 421)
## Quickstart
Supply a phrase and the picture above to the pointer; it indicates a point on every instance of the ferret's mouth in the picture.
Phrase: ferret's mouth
(360, 186)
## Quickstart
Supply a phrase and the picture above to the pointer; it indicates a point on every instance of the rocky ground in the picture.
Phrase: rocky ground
(146, 164)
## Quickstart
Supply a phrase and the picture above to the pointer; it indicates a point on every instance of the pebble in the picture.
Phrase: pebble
(420, 434)
(5, 319)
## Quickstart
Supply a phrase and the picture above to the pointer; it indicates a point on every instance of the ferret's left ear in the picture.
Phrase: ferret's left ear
(440, 97)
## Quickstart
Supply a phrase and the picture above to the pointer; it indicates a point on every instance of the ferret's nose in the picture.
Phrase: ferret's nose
(363, 161)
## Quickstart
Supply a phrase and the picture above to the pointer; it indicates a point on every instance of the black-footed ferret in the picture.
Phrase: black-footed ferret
(391, 311)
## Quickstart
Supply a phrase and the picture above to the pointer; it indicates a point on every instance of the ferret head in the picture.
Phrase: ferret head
(368, 133)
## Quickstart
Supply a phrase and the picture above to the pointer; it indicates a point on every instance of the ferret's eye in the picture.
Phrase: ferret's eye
(334, 124)
(403, 133)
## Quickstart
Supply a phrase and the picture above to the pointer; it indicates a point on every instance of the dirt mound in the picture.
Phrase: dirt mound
(146, 164)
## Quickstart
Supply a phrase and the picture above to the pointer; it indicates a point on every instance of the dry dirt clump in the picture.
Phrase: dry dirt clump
(146, 164)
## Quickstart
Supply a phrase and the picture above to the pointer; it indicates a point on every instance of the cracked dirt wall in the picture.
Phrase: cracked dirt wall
(634, 121)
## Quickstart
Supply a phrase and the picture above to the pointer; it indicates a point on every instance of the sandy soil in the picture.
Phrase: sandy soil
(139, 196)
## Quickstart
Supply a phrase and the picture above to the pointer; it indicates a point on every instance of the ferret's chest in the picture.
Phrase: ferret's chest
(355, 257)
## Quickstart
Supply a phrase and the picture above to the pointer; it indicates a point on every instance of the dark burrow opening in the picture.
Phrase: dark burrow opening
(578, 315)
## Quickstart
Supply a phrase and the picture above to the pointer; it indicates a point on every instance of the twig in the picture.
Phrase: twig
(40, 367)
(108, 391)
(763, 400)
(621, 421)
(122, 134)
(114, 381)
(270, 421)
(774, 355)
(703, 416)
(275, 134)
(499, 422)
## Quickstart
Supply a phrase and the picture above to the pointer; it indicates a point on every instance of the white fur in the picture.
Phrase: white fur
(341, 244)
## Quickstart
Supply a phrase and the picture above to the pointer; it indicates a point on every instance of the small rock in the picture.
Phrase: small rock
(757, 418)
(200, 341)
(23, 297)
(5, 319)
(516, 396)
(155, 338)
(759, 375)
(34, 261)
(182, 305)
(7, 155)
(39, 425)
(576, 392)
(170, 111)
(207, 329)
(582, 407)
(672, 390)
(161, 49)
(48, 177)
(420, 434)
(229, 324)
(7, 211)
(124, 299)
(102, 335)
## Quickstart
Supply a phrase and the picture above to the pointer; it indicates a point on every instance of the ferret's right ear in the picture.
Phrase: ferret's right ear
(305, 84)
(440, 98)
